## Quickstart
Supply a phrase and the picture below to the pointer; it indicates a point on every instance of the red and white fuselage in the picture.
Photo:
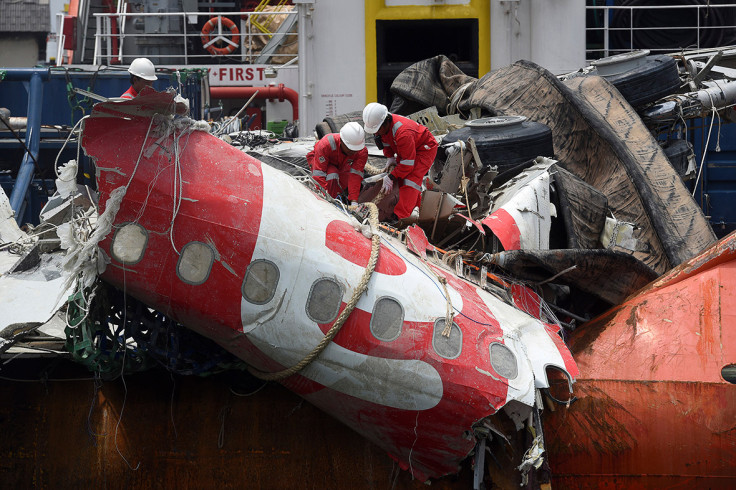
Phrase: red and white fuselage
(249, 257)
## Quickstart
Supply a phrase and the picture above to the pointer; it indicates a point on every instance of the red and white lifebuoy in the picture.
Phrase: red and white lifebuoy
(209, 38)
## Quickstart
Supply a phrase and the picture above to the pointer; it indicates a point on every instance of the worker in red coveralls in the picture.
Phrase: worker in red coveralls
(338, 160)
(407, 144)
(142, 74)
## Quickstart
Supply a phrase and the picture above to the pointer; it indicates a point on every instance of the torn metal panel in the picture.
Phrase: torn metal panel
(437, 125)
(437, 206)
(448, 175)
(31, 298)
(417, 242)
(60, 209)
(9, 230)
(521, 213)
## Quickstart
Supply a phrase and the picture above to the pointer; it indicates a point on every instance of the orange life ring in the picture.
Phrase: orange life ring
(208, 40)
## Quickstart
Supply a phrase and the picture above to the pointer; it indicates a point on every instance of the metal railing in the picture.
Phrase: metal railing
(661, 29)
(237, 36)
(60, 39)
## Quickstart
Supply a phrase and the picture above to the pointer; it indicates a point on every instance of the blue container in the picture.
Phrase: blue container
(47, 98)
(715, 190)
(61, 106)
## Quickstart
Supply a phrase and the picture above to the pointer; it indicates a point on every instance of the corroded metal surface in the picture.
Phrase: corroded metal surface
(182, 432)
(653, 409)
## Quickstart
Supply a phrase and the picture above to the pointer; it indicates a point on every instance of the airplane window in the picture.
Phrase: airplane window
(386, 320)
(195, 263)
(503, 360)
(261, 279)
(129, 243)
(729, 373)
(324, 300)
(559, 385)
(447, 347)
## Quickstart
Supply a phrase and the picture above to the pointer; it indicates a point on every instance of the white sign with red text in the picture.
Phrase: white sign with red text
(252, 75)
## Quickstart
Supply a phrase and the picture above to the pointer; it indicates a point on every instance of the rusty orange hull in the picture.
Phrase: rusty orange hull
(654, 409)
(158, 431)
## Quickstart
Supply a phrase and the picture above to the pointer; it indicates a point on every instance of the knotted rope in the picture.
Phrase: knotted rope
(375, 247)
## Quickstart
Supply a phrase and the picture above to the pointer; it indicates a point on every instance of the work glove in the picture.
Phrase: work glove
(390, 161)
(388, 184)
(364, 227)
(353, 206)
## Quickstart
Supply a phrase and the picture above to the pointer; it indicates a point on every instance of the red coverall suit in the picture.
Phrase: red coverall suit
(129, 94)
(334, 170)
(415, 149)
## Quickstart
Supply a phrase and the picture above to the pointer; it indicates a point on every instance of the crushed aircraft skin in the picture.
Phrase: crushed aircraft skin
(256, 261)
(33, 286)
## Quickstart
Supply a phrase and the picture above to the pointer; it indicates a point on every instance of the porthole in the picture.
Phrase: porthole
(325, 298)
(503, 360)
(729, 373)
(447, 347)
(559, 385)
(129, 244)
(195, 263)
(386, 320)
(261, 279)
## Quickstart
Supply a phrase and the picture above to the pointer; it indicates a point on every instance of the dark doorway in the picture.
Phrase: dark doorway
(400, 43)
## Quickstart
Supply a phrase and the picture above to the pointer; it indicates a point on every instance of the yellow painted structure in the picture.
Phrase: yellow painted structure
(377, 10)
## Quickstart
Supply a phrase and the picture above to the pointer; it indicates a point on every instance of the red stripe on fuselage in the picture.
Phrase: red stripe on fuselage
(504, 226)
(351, 245)
(222, 190)
(479, 328)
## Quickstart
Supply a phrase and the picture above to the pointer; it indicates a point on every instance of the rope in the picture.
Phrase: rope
(372, 169)
(375, 248)
(448, 313)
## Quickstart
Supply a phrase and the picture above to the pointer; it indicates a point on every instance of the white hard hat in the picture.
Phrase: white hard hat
(142, 67)
(353, 136)
(373, 116)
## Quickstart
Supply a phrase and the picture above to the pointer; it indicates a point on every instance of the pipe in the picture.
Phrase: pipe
(33, 141)
(716, 96)
(279, 92)
(24, 74)
(303, 57)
